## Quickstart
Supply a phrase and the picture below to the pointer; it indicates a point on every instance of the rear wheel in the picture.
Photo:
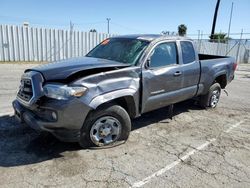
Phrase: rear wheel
(211, 99)
(105, 127)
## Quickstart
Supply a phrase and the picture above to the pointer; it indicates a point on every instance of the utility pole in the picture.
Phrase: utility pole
(215, 18)
(108, 19)
(71, 25)
(229, 26)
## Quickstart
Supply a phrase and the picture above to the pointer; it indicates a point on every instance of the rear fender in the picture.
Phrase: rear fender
(220, 73)
(211, 80)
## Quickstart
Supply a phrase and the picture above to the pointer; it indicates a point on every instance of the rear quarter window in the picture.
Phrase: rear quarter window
(188, 53)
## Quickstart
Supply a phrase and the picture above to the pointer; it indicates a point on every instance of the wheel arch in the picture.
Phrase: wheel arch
(222, 80)
(124, 98)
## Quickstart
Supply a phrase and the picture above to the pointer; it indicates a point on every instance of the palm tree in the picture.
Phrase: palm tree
(219, 37)
(182, 30)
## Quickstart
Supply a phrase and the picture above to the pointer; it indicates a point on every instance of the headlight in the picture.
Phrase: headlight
(63, 92)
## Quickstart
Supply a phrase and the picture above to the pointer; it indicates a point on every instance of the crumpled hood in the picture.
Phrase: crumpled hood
(63, 69)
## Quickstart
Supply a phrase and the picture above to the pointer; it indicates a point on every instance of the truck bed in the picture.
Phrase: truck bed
(213, 66)
(209, 57)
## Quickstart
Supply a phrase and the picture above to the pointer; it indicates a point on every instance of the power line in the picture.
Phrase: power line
(42, 22)
(195, 34)
(128, 28)
(89, 23)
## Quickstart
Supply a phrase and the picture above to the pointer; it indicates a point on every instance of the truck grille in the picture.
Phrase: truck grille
(25, 90)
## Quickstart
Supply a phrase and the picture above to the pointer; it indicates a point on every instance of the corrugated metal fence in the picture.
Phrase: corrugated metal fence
(21, 43)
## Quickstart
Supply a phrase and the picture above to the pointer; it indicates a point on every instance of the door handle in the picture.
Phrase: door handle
(177, 73)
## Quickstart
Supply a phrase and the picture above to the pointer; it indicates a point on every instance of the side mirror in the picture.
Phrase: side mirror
(147, 65)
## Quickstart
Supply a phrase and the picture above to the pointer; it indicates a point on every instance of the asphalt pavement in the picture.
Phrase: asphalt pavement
(196, 148)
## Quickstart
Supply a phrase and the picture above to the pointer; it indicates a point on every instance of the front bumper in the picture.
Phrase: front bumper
(71, 115)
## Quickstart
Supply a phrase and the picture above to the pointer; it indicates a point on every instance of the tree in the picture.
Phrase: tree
(168, 33)
(165, 32)
(93, 30)
(182, 30)
(219, 37)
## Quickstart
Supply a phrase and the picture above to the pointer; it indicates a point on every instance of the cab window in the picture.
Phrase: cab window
(188, 53)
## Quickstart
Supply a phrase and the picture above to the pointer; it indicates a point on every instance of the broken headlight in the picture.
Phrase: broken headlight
(63, 92)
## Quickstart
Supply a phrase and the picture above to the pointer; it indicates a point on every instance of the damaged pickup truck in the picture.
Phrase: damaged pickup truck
(91, 100)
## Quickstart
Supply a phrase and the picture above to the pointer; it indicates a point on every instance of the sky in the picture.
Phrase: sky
(130, 16)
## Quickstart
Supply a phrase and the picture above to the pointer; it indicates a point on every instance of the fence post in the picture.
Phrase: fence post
(200, 41)
(218, 43)
(238, 50)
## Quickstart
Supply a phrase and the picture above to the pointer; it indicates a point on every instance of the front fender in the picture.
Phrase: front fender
(101, 99)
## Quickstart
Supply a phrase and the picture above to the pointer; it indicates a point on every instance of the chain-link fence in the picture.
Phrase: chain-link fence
(233, 44)
(238, 48)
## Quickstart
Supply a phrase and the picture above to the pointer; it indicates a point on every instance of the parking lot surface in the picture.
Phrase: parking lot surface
(196, 148)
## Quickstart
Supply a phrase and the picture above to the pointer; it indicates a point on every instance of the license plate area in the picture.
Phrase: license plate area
(18, 113)
(18, 116)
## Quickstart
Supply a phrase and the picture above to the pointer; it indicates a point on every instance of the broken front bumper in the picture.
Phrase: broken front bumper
(63, 119)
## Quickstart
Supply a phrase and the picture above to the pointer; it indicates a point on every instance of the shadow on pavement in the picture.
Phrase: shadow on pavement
(163, 114)
(20, 145)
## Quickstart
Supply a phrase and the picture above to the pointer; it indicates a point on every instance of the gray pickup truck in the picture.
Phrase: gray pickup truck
(92, 99)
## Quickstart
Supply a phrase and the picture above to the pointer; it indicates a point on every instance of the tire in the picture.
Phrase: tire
(211, 99)
(110, 122)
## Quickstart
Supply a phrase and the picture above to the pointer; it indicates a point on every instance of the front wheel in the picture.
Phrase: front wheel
(211, 99)
(105, 127)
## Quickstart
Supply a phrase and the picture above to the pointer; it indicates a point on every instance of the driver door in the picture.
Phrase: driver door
(162, 78)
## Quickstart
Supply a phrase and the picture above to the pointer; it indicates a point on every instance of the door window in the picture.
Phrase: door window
(164, 54)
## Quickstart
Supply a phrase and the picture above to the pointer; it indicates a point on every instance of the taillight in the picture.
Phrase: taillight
(234, 66)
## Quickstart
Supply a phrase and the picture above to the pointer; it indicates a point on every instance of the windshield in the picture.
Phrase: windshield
(123, 50)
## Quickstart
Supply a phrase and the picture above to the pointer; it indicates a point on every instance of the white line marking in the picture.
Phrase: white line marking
(173, 164)
(233, 126)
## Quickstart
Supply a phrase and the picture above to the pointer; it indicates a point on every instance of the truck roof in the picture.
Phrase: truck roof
(151, 37)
